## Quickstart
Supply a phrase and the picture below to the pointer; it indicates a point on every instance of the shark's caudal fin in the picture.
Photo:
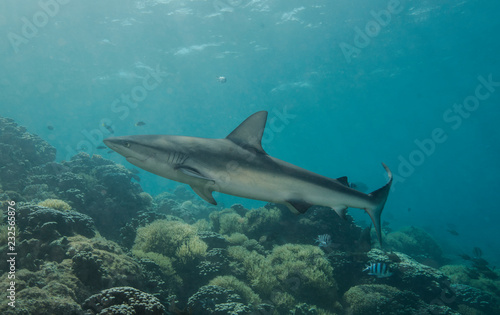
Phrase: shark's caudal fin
(379, 197)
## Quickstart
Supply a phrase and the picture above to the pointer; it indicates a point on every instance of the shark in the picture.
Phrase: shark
(238, 165)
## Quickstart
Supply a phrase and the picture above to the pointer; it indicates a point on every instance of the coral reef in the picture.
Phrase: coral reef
(290, 269)
(276, 224)
(473, 289)
(123, 300)
(183, 204)
(214, 263)
(61, 265)
(48, 224)
(90, 185)
(211, 299)
(56, 204)
(416, 243)
(172, 239)
(19, 152)
(384, 299)
(240, 287)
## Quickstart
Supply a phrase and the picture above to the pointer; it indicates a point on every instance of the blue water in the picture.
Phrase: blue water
(343, 101)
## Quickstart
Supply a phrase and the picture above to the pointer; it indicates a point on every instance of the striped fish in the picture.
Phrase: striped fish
(324, 240)
(380, 270)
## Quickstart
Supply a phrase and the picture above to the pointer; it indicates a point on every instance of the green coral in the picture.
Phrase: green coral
(230, 282)
(173, 239)
(253, 223)
(464, 275)
(415, 242)
(164, 262)
(366, 299)
(306, 261)
(232, 222)
(299, 270)
(257, 218)
(237, 238)
(191, 249)
(202, 225)
(55, 204)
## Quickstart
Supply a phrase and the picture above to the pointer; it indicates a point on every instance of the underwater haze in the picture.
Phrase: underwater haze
(347, 85)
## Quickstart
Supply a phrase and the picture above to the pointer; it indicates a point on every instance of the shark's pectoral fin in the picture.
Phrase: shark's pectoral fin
(192, 172)
(298, 206)
(205, 193)
(341, 211)
(203, 190)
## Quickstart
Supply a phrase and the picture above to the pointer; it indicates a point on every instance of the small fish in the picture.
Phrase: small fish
(137, 178)
(380, 270)
(221, 79)
(111, 131)
(323, 240)
(100, 147)
(50, 127)
(477, 252)
(110, 151)
(140, 123)
(465, 256)
(452, 232)
(133, 170)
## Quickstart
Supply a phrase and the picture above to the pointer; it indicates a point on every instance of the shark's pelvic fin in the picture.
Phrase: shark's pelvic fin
(298, 206)
(204, 193)
(249, 133)
(380, 197)
(341, 211)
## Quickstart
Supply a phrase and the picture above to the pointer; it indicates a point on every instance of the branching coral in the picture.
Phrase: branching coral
(55, 204)
(230, 282)
(301, 270)
(228, 221)
(173, 239)
(191, 249)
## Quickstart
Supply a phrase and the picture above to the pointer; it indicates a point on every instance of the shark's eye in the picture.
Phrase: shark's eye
(126, 144)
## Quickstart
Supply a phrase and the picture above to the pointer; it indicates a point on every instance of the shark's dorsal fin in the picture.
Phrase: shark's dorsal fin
(343, 181)
(249, 133)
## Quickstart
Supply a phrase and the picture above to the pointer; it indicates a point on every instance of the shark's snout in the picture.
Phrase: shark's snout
(108, 142)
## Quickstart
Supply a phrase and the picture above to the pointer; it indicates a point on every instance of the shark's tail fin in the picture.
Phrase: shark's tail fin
(379, 197)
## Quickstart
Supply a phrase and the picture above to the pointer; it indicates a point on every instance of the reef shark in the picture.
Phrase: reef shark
(238, 165)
